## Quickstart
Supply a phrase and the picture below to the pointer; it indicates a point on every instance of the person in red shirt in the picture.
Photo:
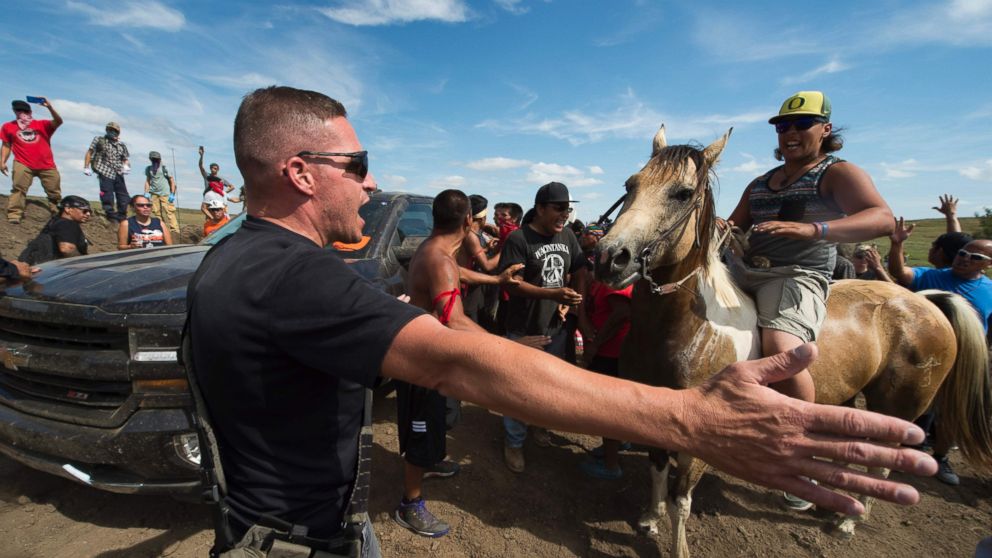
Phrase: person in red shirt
(30, 140)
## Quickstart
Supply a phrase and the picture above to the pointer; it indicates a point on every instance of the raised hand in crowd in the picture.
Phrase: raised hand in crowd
(902, 231)
(949, 207)
(874, 261)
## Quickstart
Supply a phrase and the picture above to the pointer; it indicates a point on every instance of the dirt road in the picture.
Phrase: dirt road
(550, 510)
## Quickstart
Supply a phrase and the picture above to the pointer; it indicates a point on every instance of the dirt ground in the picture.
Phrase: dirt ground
(551, 510)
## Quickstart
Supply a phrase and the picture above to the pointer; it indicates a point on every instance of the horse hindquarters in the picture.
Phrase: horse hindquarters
(964, 401)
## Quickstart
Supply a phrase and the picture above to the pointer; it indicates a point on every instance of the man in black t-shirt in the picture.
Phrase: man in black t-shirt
(67, 235)
(285, 337)
(551, 256)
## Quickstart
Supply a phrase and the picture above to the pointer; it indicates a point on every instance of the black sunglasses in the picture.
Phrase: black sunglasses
(973, 256)
(358, 165)
(801, 124)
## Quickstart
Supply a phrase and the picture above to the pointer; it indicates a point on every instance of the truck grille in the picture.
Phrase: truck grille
(74, 391)
(63, 335)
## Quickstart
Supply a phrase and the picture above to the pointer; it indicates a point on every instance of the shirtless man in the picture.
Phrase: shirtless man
(434, 285)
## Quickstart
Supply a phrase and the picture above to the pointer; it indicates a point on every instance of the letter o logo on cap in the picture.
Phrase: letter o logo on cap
(796, 103)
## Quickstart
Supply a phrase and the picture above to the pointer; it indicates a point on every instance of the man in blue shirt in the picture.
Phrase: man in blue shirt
(965, 276)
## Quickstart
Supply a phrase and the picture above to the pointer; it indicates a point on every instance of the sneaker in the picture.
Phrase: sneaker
(598, 450)
(795, 503)
(945, 474)
(442, 470)
(541, 437)
(514, 458)
(598, 470)
(416, 517)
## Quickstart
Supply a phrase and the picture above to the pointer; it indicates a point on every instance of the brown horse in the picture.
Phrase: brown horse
(899, 349)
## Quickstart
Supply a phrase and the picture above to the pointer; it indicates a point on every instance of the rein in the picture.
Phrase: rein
(644, 258)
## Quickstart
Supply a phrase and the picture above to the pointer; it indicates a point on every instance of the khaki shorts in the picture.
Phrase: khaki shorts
(789, 298)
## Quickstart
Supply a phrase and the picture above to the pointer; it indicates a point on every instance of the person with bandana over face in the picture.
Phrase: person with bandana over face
(30, 141)
(108, 156)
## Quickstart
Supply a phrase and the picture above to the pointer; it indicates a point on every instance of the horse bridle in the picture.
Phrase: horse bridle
(644, 258)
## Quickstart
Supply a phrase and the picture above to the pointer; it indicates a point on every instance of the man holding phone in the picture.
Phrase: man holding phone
(30, 141)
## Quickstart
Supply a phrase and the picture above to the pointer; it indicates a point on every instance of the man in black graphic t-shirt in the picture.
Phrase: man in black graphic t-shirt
(551, 256)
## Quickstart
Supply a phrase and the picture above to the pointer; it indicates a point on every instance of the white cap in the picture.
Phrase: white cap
(215, 204)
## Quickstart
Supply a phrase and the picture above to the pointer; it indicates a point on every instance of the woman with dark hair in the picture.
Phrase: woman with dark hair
(142, 230)
(797, 213)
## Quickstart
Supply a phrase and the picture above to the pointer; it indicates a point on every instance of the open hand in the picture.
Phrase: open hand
(736, 424)
(568, 296)
(948, 205)
(507, 277)
(902, 231)
(788, 229)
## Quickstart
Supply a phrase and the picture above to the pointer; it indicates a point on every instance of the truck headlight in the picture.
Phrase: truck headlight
(187, 448)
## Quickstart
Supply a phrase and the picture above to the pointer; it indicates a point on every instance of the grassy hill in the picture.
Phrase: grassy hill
(925, 232)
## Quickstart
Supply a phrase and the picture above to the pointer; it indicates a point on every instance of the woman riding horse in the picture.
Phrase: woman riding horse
(799, 210)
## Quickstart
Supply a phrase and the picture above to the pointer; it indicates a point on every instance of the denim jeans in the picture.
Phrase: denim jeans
(516, 431)
(370, 544)
(111, 189)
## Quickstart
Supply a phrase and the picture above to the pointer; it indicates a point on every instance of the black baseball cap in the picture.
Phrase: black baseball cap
(553, 192)
(18, 104)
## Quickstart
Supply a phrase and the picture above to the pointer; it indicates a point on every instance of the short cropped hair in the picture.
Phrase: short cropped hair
(450, 209)
(516, 212)
(277, 122)
(950, 243)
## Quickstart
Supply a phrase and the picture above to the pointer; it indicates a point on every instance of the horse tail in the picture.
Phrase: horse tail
(964, 401)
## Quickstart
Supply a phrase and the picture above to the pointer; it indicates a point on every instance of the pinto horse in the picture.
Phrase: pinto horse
(900, 350)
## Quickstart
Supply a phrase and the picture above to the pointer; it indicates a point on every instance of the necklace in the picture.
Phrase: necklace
(789, 179)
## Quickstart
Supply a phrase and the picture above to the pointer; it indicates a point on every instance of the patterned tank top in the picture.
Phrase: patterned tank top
(798, 202)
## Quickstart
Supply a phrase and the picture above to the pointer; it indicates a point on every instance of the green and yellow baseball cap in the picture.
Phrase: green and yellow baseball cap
(804, 103)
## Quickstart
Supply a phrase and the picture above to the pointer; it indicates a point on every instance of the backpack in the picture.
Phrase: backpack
(41, 249)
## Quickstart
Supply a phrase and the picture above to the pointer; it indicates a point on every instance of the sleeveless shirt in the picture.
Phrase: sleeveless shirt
(797, 202)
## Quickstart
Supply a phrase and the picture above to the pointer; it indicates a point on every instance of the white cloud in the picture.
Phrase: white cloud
(512, 6)
(132, 13)
(85, 112)
(595, 169)
(832, 67)
(980, 173)
(542, 173)
(443, 183)
(496, 163)
(958, 22)
(751, 166)
(631, 118)
(905, 169)
(242, 82)
(392, 181)
(388, 12)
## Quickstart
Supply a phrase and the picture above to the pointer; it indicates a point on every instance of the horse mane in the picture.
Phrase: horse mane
(706, 256)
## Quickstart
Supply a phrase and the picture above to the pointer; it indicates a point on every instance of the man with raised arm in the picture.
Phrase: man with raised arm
(285, 337)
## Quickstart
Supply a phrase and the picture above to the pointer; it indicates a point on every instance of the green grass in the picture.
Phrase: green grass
(925, 232)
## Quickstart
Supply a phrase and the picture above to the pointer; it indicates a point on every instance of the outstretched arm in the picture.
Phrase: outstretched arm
(949, 207)
(732, 415)
(203, 171)
(56, 119)
(897, 267)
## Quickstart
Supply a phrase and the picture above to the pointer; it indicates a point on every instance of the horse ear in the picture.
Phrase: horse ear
(713, 150)
(659, 141)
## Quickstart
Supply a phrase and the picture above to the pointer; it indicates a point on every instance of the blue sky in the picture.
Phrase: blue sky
(497, 97)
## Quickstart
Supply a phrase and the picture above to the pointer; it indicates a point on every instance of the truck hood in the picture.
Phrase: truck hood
(151, 281)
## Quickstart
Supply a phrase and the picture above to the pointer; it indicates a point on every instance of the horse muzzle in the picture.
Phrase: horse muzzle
(616, 266)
